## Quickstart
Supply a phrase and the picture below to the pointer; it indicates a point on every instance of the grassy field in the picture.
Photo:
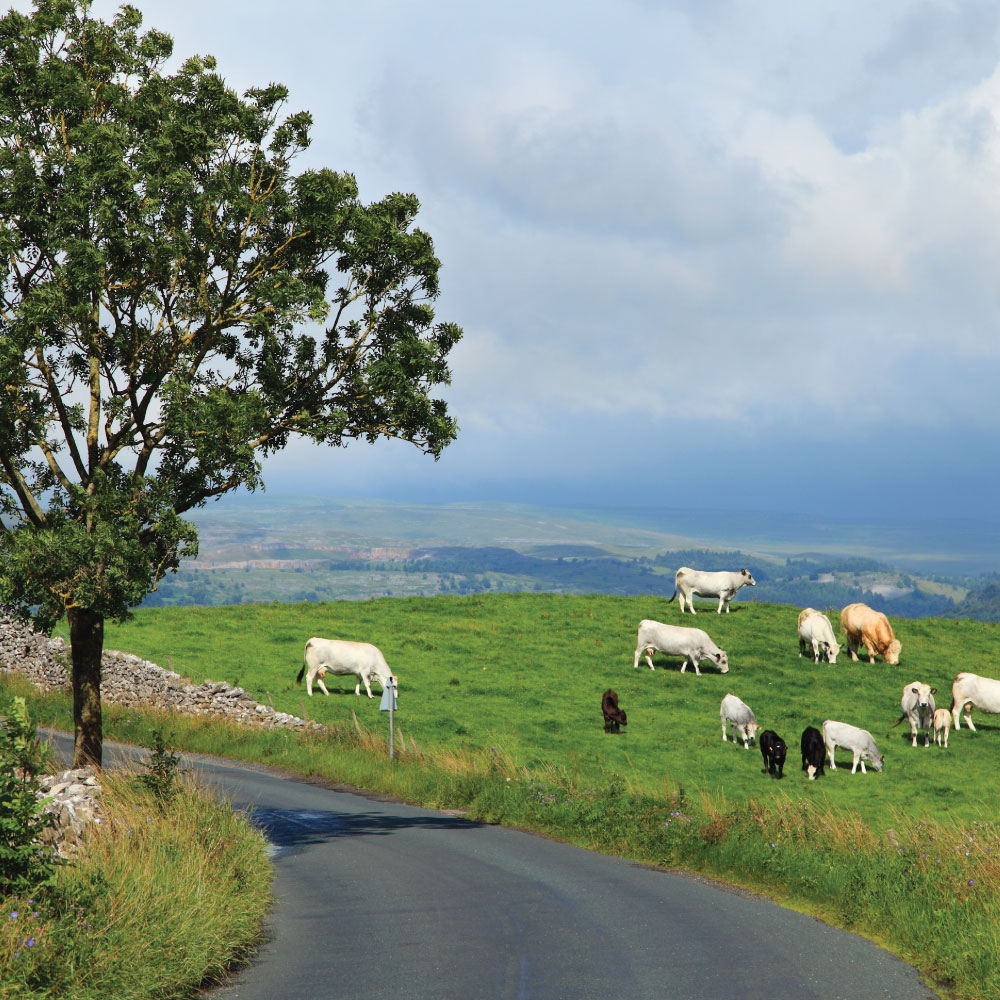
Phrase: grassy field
(526, 673)
(499, 715)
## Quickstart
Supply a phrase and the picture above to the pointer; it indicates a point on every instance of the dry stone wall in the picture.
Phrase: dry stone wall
(133, 682)
(75, 795)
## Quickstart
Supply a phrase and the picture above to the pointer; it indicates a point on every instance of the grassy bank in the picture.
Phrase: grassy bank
(499, 715)
(166, 895)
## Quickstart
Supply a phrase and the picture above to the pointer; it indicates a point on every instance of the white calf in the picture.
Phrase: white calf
(740, 717)
(942, 724)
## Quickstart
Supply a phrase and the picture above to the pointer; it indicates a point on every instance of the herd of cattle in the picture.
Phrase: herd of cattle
(862, 626)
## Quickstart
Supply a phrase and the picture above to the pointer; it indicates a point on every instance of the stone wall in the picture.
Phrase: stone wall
(125, 680)
(132, 682)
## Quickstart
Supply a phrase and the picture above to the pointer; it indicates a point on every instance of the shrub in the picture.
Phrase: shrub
(24, 860)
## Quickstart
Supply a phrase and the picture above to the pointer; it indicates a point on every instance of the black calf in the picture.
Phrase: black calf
(813, 750)
(614, 717)
(773, 750)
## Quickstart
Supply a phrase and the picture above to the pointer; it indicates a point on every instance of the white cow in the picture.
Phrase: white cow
(691, 643)
(859, 741)
(942, 724)
(723, 585)
(342, 657)
(971, 690)
(918, 706)
(816, 633)
(740, 717)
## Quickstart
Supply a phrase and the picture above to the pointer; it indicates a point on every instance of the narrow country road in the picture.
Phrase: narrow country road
(375, 899)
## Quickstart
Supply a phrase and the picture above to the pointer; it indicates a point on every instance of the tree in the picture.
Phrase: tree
(175, 305)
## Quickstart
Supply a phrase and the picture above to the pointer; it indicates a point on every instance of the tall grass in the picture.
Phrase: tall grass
(162, 899)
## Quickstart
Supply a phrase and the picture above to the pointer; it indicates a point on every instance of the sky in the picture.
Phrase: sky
(715, 254)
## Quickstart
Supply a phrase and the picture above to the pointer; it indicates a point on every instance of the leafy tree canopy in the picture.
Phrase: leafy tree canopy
(176, 304)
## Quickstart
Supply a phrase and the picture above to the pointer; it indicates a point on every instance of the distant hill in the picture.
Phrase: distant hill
(982, 604)
(264, 549)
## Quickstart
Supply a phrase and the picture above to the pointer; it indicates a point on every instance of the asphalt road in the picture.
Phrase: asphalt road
(375, 899)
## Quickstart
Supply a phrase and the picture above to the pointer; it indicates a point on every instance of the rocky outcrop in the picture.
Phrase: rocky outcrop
(134, 682)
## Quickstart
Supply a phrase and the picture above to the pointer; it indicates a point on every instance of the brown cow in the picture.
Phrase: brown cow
(614, 717)
(865, 627)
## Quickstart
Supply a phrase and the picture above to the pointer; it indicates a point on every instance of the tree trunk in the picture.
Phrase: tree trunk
(86, 637)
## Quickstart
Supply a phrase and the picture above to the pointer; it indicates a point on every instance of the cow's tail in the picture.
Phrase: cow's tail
(302, 672)
(672, 596)
(898, 721)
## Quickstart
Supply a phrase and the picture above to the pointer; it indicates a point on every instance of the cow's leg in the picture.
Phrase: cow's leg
(968, 717)
(854, 766)
(649, 657)
(309, 682)
(724, 721)
(913, 733)
(830, 750)
(368, 685)
(722, 600)
(815, 646)
(697, 672)
(322, 686)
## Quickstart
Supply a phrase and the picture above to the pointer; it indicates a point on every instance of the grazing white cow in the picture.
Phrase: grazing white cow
(942, 724)
(859, 741)
(723, 585)
(816, 633)
(740, 717)
(918, 706)
(674, 640)
(342, 657)
(972, 691)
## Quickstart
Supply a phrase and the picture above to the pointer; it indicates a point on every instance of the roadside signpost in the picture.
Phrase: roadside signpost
(388, 704)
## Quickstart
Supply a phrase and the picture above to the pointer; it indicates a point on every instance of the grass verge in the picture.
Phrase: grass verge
(166, 895)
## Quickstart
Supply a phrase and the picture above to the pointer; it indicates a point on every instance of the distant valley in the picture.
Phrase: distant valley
(289, 549)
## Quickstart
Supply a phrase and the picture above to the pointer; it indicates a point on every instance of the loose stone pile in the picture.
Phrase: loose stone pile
(75, 802)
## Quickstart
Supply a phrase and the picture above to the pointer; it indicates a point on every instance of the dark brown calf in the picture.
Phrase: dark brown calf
(614, 717)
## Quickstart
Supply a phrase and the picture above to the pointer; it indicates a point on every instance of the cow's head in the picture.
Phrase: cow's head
(831, 651)
(721, 661)
(752, 728)
(811, 771)
(892, 651)
(747, 578)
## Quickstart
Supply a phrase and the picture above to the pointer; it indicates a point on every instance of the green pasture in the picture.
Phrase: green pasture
(525, 673)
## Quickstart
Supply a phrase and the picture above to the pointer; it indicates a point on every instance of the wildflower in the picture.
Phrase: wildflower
(970, 881)
(13, 915)
(772, 845)
(30, 943)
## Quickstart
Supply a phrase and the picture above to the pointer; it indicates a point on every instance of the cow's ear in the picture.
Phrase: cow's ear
(915, 690)
(933, 690)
